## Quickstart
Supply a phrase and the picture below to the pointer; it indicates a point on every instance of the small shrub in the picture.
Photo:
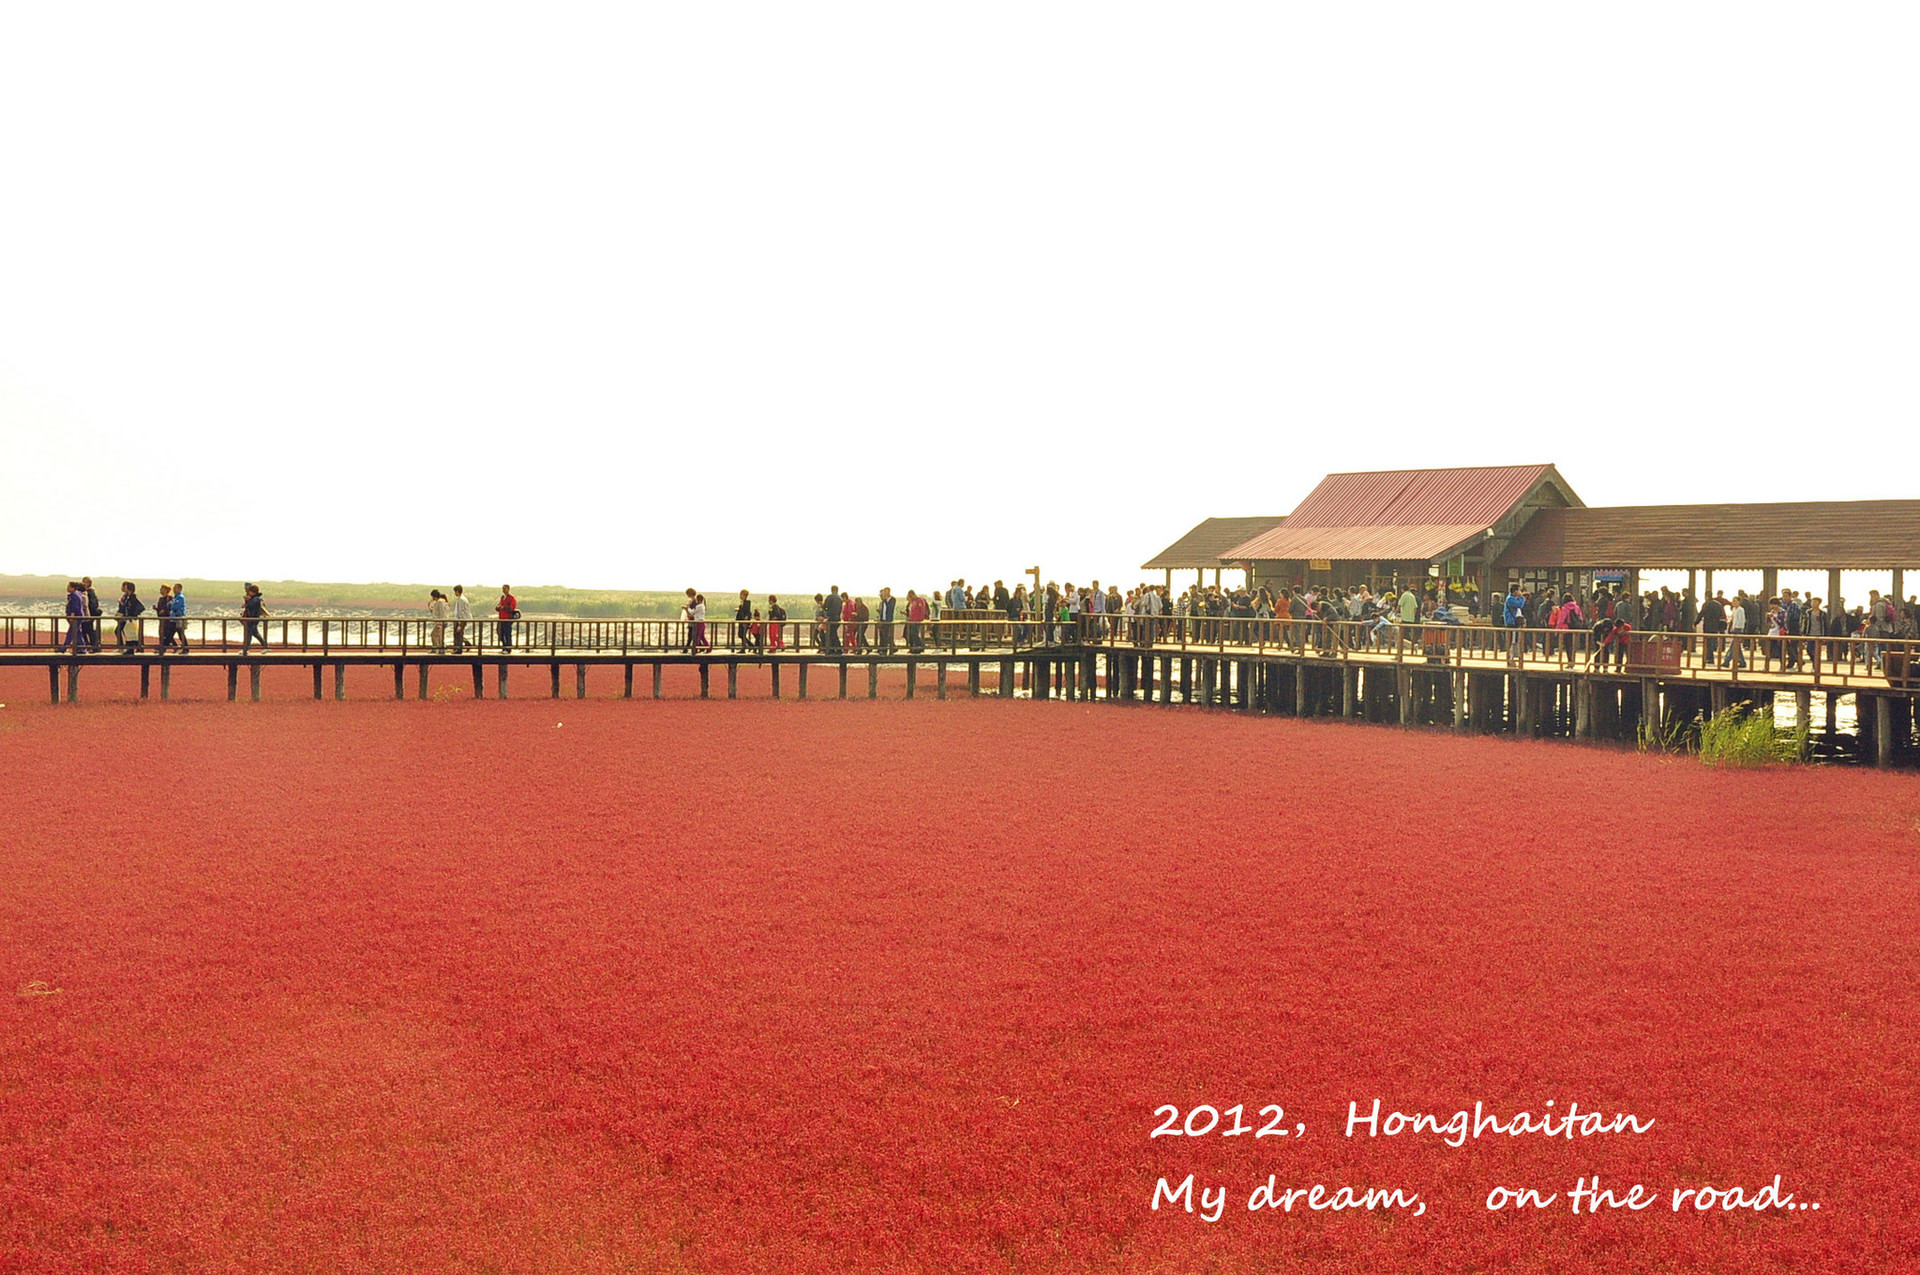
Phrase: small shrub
(1739, 736)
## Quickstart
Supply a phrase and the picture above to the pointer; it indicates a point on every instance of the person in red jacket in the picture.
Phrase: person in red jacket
(508, 610)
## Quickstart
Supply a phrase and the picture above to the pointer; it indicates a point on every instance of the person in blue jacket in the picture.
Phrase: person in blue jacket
(180, 615)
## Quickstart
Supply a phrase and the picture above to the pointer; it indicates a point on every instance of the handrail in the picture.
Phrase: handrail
(1823, 659)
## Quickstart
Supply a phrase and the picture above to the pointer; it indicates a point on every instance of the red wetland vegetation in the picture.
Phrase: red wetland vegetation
(744, 986)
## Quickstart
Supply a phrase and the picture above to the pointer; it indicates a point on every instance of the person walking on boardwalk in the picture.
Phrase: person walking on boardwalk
(506, 611)
(776, 623)
(253, 609)
(849, 618)
(887, 604)
(437, 608)
(93, 614)
(462, 614)
(180, 616)
(916, 616)
(742, 621)
(163, 618)
(697, 629)
(76, 637)
(129, 612)
(830, 630)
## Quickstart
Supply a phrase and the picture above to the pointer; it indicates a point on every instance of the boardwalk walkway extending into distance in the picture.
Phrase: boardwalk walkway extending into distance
(1470, 677)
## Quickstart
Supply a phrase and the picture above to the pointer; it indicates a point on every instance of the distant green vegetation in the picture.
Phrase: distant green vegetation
(540, 599)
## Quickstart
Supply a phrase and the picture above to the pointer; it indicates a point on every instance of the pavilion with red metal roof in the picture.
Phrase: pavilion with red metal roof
(1389, 526)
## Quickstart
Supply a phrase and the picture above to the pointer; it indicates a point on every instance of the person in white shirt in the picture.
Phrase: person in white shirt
(462, 613)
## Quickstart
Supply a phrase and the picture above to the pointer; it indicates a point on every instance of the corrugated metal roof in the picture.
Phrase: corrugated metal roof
(1421, 543)
(1399, 515)
(1850, 535)
(1203, 546)
(1416, 497)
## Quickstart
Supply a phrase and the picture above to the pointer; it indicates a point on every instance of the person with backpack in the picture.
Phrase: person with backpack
(253, 609)
(128, 613)
(93, 615)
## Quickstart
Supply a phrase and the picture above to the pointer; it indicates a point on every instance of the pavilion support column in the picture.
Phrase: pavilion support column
(1769, 583)
(1833, 590)
(1708, 592)
(1899, 585)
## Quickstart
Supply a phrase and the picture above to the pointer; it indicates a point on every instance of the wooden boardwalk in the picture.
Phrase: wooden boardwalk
(1469, 678)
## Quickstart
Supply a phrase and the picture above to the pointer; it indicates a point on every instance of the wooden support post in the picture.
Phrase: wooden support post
(1460, 699)
(73, 683)
(146, 671)
(500, 680)
(399, 680)
(1803, 710)
(626, 683)
(1300, 692)
(233, 682)
(913, 678)
(579, 681)
(776, 679)
(1403, 688)
(1719, 693)
(940, 679)
(843, 679)
(1833, 591)
(873, 680)
(420, 680)
(656, 680)
(1523, 704)
(733, 679)
(53, 683)
(973, 678)
(166, 680)
(1582, 707)
(706, 674)
(1186, 679)
(1349, 683)
(803, 679)
(253, 679)
(555, 669)
(1883, 730)
(479, 681)
(1006, 679)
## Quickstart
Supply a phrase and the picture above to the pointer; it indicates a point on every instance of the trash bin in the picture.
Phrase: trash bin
(1655, 653)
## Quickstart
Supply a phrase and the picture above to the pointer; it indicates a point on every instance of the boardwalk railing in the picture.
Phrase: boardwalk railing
(1821, 661)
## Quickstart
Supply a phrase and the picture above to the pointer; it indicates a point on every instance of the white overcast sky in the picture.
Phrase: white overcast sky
(786, 295)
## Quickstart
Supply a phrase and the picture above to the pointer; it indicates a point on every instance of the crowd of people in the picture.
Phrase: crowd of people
(1783, 631)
